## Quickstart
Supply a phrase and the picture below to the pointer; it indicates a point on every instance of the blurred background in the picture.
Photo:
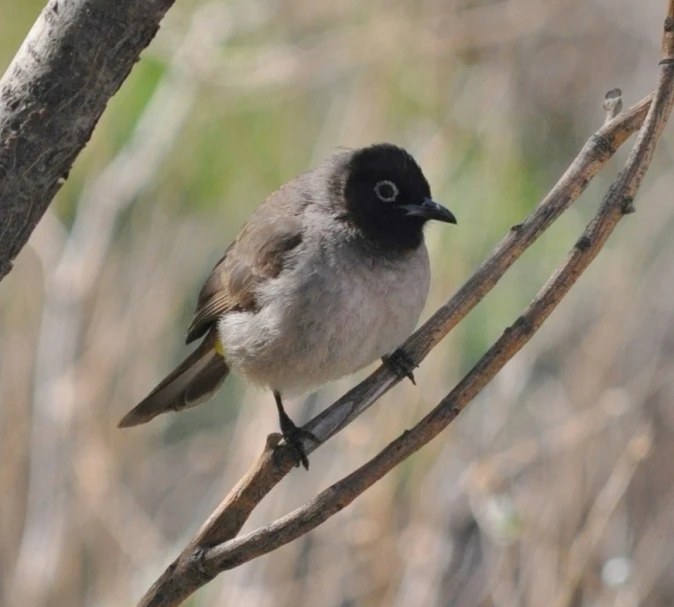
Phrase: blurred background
(555, 487)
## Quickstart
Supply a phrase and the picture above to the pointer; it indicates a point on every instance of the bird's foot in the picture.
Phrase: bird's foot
(401, 363)
(294, 435)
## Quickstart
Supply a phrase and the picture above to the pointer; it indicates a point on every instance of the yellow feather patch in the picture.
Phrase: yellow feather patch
(219, 348)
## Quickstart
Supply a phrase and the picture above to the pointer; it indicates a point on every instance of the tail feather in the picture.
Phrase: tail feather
(195, 380)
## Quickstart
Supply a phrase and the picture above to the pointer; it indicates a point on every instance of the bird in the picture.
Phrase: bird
(329, 274)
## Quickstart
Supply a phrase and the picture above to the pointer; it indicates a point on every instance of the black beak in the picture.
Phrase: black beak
(430, 209)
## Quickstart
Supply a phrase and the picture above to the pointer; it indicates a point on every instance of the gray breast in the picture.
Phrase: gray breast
(335, 312)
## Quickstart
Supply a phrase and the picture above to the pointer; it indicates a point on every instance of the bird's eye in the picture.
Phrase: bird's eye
(386, 190)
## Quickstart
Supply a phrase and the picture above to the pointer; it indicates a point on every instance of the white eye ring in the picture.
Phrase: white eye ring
(394, 190)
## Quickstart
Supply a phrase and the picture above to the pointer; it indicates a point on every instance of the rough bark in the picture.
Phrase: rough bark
(74, 59)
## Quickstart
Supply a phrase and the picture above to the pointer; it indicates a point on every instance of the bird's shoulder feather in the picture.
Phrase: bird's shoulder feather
(260, 252)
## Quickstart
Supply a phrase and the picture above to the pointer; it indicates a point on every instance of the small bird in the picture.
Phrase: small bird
(329, 274)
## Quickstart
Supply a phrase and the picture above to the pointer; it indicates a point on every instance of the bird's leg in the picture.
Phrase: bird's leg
(293, 434)
(401, 363)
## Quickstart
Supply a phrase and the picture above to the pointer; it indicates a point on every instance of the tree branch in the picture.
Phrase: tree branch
(73, 60)
(616, 204)
(187, 573)
(227, 521)
(212, 550)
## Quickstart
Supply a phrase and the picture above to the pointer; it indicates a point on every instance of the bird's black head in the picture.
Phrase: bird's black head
(388, 198)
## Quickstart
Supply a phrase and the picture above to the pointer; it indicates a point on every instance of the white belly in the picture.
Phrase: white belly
(322, 322)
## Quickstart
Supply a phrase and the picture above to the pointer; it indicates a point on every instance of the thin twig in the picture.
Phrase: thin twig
(613, 104)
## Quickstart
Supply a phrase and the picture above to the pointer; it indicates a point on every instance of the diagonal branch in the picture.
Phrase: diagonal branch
(179, 581)
(229, 517)
(72, 62)
(616, 204)
(212, 550)
(596, 152)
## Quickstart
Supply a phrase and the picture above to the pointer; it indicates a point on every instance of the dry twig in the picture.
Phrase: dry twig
(213, 550)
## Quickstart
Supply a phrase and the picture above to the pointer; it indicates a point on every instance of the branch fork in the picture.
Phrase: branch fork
(217, 546)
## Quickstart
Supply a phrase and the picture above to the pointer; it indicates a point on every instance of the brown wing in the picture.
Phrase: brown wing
(260, 252)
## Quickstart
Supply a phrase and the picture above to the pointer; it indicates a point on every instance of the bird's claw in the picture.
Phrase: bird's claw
(294, 435)
(401, 363)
